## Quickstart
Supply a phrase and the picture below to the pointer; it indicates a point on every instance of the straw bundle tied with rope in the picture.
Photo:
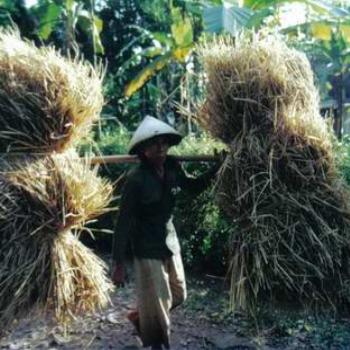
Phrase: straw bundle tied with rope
(279, 183)
(47, 195)
(42, 261)
(47, 102)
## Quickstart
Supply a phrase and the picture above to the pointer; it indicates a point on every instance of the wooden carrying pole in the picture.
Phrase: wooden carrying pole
(117, 159)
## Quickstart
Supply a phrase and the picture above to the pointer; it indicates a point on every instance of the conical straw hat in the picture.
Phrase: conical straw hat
(151, 127)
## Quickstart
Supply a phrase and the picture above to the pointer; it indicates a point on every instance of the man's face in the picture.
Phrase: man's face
(156, 149)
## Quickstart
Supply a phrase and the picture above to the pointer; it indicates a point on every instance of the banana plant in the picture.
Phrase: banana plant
(321, 29)
(232, 17)
(320, 6)
(71, 14)
(328, 40)
(330, 50)
(167, 47)
(228, 17)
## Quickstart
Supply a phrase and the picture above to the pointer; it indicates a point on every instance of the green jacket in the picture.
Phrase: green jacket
(145, 216)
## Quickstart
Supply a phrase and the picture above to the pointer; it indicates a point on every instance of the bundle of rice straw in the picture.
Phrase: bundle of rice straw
(47, 102)
(279, 183)
(42, 262)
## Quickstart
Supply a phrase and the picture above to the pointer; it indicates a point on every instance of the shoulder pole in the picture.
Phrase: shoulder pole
(117, 159)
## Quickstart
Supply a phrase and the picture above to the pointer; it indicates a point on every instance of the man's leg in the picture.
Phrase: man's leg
(154, 301)
(134, 318)
(177, 280)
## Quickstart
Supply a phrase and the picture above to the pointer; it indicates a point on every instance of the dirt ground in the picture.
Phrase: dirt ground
(196, 325)
(203, 322)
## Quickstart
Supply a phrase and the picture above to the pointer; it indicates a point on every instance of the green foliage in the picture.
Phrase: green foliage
(320, 6)
(285, 328)
(49, 12)
(146, 73)
(204, 232)
(343, 157)
(68, 24)
(156, 9)
(16, 12)
(181, 28)
(231, 18)
(194, 144)
(92, 25)
(114, 141)
(139, 48)
(174, 45)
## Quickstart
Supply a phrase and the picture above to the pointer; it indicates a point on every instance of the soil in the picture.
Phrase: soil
(203, 322)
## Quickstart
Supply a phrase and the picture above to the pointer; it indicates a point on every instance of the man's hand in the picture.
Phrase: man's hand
(220, 155)
(118, 275)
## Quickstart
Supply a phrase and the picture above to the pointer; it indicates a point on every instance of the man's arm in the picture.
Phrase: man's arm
(123, 228)
(195, 185)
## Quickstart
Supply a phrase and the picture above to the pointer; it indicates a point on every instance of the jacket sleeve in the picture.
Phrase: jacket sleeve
(195, 185)
(126, 220)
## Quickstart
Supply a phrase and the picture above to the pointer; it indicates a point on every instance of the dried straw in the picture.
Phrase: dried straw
(47, 102)
(79, 278)
(259, 84)
(42, 262)
(279, 183)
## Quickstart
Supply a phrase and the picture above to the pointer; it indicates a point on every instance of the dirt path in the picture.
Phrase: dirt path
(201, 323)
(195, 326)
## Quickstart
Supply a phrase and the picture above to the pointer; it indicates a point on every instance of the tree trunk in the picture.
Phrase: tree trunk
(338, 88)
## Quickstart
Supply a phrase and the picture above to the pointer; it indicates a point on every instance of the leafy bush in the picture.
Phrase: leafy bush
(204, 233)
(342, 149)
(202, 229)
(196, 145)
(114, 141)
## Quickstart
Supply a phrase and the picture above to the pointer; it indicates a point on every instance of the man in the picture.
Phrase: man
(145, 221)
